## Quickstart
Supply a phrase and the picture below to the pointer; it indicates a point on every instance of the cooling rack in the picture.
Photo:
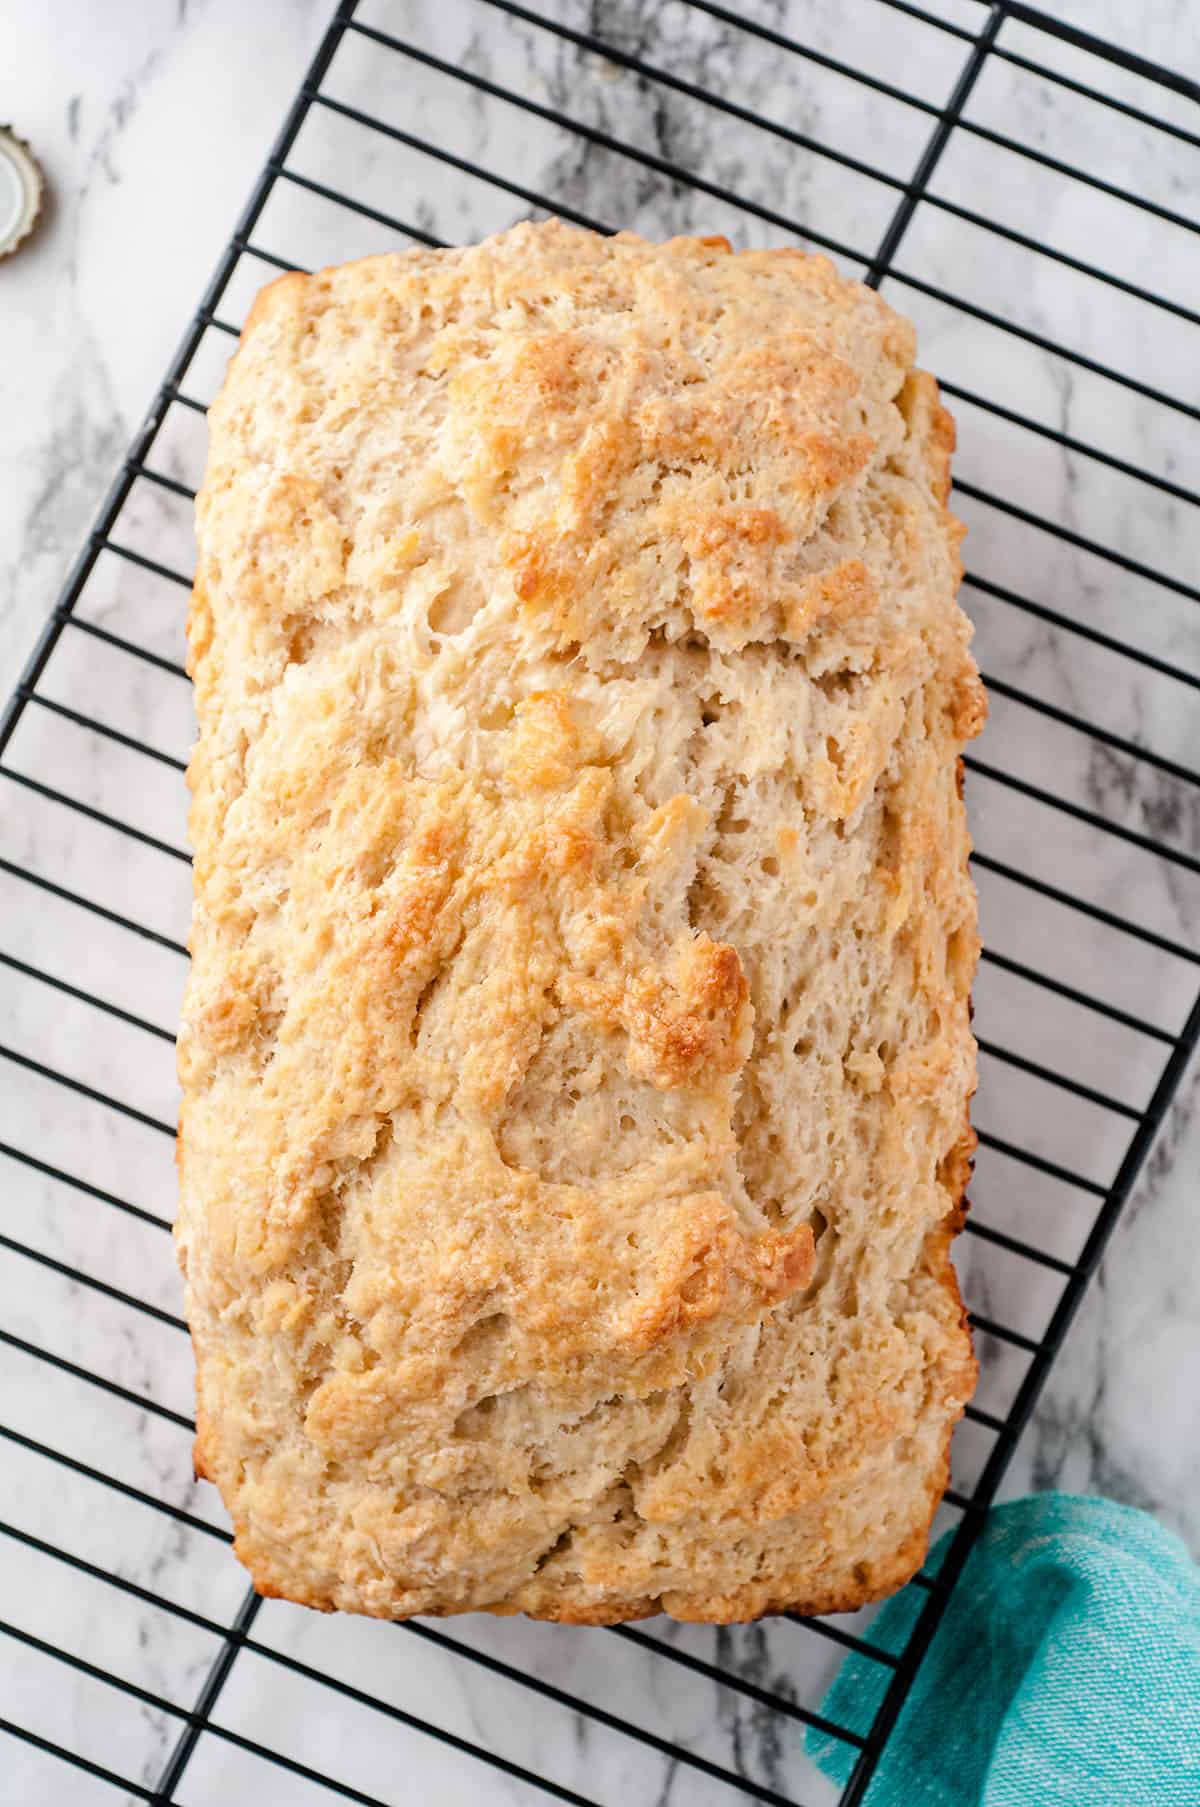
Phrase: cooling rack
(1006, 179)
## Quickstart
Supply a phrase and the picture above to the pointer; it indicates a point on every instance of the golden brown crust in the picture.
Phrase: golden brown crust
(577, 1045)
(203, 1454)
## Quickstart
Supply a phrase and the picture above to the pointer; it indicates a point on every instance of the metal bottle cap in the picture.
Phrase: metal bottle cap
(20, 191)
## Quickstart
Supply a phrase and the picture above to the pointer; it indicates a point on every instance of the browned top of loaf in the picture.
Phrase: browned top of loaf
(576, 1049)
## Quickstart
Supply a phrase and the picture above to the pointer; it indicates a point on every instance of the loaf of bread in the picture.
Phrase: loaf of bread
(576, 1054)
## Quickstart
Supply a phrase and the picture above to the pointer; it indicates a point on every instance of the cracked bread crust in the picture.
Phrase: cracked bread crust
(576, 1051)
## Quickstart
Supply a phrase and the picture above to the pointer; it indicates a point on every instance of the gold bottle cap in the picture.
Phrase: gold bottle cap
(20, 191)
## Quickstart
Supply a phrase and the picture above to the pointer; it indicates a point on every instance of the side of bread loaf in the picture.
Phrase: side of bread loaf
(576, 1054)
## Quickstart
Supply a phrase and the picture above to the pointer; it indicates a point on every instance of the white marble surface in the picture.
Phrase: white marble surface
(152, 119)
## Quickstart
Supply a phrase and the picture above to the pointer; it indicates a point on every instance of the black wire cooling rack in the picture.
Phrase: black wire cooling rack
(1000, 174)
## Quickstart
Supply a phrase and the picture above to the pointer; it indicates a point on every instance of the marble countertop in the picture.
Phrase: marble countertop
(152, 118)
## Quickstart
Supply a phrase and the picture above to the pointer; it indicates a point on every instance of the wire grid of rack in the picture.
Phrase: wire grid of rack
(121, 1597)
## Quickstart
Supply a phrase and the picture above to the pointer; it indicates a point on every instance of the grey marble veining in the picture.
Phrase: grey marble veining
(152, 119)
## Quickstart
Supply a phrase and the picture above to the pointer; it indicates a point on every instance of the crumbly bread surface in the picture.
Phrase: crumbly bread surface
(576, 1051)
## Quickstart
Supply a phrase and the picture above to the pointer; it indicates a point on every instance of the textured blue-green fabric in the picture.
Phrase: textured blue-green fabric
(1065, 1672)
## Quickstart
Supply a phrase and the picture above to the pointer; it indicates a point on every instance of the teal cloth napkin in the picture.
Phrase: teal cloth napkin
(1065, 1672)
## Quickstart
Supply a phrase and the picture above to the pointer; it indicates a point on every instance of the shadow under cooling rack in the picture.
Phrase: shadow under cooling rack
(1020, 200)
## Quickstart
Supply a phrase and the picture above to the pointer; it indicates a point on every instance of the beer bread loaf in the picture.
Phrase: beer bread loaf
(576, 1053)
